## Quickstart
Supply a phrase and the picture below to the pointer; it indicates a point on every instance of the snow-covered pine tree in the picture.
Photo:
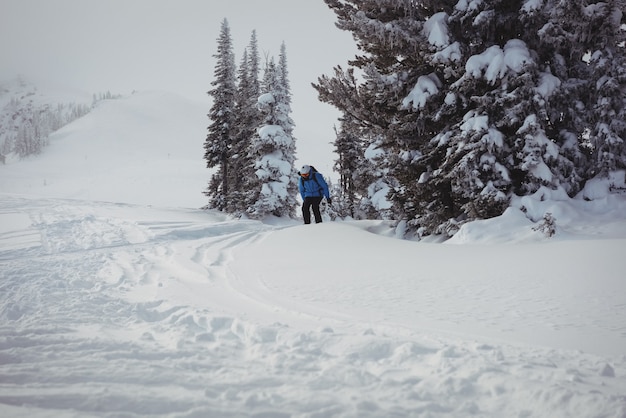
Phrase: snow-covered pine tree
(219, 141)
(247, 119)
(355, 174)
(283, 95)
(602, 37)
(575, 38)
(254, 65)
(345, 144)
(495, 143)
(273, 147)
(474, 101)
(396, 53)
(548, 87)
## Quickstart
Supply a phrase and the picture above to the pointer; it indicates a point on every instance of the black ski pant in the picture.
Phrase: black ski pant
(313, 202)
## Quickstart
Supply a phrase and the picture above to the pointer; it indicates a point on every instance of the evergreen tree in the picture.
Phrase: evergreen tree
(581, 42)
(471, 102)
(603, 39)
(238, 165)
(254, 65)
(273, 147)
(219, 142)
(353, 168)
(254, 121)
(247, 120)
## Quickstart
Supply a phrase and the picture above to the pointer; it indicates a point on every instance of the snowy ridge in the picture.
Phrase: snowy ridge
(118, 299)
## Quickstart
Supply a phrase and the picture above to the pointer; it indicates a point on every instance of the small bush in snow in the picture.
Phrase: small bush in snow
(547, 226)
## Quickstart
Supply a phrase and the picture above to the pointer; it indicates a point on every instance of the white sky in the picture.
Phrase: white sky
(125, 45)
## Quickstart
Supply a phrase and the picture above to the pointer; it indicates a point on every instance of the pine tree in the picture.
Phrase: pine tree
(219, 141)
(390, 34)
(584, 45)
(273, 147)
(603, 39)
(247, 120)
(352, 166)
(252, 122)
(472, 102)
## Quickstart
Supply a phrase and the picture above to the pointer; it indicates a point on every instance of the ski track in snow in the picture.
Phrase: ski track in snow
(111, 310)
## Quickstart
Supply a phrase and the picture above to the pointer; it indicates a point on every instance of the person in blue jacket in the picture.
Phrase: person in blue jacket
(313, 189)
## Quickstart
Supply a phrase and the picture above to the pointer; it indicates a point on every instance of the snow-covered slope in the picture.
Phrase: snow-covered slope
(145, 149)
(28, 116)
(118, 298)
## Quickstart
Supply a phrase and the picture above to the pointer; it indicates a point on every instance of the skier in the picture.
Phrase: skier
(313, 189)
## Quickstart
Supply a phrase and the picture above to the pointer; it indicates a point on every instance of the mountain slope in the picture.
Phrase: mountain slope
(119, 298)
(144, 149)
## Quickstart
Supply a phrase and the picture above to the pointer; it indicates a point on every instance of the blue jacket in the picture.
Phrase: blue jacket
(314, 186)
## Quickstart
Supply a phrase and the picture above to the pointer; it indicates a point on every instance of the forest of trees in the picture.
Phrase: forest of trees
(250, 140)
(27, 119)
(454, 107)
(25, 126)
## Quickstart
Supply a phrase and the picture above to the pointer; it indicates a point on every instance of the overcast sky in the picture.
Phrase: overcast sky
(125, 45)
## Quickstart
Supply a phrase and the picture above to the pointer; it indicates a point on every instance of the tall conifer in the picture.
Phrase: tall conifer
(219, 142)
(273, 147)
(247, 120)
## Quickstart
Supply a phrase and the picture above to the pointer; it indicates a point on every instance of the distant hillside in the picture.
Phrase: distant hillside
(146, 148)
(28, 115)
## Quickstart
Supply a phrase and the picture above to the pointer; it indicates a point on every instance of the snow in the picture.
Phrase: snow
(426, 86)
(120, 298)
(451, 53)
(593, 10)
(531, 6)
(266, 99)
(494, 139)
(373, 152)
(547, 84)
(436, 30)
(115, 151)
(274, 134)
(474, 122)
(494, 63)
(377, 193)
(471, 5)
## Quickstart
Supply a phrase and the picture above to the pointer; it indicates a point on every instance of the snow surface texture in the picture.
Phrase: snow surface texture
(120, 301)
